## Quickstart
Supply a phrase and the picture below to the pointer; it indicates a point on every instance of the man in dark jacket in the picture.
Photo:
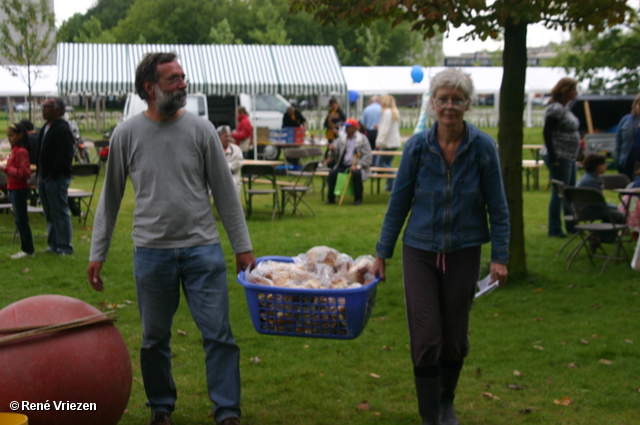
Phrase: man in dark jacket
(54, 174)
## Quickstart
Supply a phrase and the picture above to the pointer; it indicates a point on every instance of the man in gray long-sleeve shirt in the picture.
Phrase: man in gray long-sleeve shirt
(173, 158)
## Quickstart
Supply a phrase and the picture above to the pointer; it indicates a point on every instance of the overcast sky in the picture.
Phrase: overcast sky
(537, 35)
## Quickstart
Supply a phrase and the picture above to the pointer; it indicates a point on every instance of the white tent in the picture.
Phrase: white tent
(376, 80)
(12, 81)
(370, 80)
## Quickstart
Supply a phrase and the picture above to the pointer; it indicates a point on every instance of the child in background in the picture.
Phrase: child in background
(18, 171)
(595, 166)
(633, 215)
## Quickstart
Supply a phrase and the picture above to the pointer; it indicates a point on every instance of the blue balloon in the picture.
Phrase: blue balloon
(353, 95)
(417, 74)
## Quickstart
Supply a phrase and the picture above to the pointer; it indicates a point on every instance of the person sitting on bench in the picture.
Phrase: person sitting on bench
(353, 152)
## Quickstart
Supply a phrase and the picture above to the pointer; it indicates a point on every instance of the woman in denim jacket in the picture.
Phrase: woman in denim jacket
(449, 178)
(628, 140)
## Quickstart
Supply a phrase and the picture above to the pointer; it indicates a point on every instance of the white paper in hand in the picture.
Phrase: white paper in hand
(485, 286)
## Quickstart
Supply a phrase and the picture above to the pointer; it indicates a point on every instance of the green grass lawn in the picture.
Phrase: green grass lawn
(552, 336)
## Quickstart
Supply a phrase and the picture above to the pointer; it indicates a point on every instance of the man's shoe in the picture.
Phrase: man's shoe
(160, 418)
(357, 202)
(329, 202)
(231, 420)
(22, 254)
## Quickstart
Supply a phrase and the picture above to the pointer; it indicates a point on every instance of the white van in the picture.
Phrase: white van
(221, 110)
(196, 104)
(269, 108)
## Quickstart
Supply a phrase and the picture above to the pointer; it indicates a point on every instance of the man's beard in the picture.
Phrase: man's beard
(168, 104)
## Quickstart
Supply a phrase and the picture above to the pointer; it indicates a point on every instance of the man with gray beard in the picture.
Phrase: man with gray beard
(173, 157)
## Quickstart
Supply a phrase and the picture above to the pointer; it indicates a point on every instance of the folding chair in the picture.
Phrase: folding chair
(294, 194)
(5, 202)
(100, 145)
(615, 181)
(292, 156)
(589, 205)
(83, 197)
(559, 186)
(265, 176)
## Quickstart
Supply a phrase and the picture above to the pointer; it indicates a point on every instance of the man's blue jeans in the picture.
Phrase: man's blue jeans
(565, 171)
(202, 273)
(53, 193)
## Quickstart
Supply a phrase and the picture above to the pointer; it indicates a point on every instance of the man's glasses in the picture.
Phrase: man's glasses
(176, 79)
(443, 102)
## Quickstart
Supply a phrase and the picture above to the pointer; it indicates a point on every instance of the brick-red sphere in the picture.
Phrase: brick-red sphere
(85, 365)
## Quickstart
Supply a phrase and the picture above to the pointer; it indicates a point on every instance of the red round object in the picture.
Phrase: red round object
(85, 365)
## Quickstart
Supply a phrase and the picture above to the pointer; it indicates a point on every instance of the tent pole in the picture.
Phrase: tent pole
(98, 113)
(529, 120)
(253, 125)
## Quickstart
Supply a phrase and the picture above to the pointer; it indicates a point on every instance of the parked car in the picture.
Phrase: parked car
(24, 107)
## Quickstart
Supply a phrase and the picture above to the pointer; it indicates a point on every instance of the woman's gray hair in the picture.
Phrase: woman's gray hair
(452, 78)
(223, 129)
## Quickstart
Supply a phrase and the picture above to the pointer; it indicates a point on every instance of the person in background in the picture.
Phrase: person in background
(332, 123)
(351, 151)
(166, 150)
(448, 181)
(233, 154)
(371, 119)
(388, 135)
(293, 118)
(56, 143)
(627, 152)
(18, 171)
(34, 148)
(561, 149)
(243, 134)
(595, 166)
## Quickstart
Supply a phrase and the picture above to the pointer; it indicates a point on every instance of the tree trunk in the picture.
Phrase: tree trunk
(510, 136)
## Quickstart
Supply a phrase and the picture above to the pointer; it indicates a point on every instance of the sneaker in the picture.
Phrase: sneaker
(232, 420)
(357, 202)
(160, 418)
(22, 254)
(48, 251)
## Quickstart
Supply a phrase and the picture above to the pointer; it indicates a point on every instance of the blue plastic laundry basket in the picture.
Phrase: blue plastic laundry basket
(315, 313)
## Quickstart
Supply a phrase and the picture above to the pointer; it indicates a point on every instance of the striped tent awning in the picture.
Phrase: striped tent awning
(212, 69)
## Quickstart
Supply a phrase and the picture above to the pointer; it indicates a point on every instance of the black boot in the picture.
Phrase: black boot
(448, 382)
(428, 391)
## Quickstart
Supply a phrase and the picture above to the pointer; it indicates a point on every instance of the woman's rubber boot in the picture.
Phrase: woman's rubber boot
(428, 391)
(448, 383)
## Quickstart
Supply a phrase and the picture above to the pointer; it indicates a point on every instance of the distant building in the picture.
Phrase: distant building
(535, 57)
(52, 59)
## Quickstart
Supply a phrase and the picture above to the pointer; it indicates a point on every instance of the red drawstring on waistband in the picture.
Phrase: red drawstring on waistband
(443, 263)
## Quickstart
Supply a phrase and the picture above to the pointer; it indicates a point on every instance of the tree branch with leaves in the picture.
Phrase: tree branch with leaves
(507, 17)
(28, 38)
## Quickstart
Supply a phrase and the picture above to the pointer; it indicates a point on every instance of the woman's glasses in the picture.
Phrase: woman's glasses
(443, 102)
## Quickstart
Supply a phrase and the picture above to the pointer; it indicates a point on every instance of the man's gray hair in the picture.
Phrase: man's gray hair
(223, 129)
(58, 103)
(452, 78)
(147, 70)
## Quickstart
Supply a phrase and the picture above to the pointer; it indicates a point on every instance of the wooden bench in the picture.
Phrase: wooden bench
(531, 167)
(265, 181)
(380, 173)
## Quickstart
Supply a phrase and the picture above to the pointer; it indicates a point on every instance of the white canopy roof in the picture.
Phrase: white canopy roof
(13, 83)
(487, 80)
(212, 69)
